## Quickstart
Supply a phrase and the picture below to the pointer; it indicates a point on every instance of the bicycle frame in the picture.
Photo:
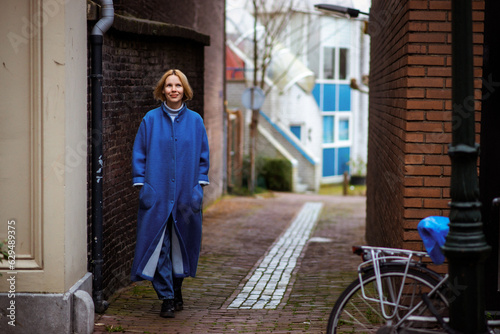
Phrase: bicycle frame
(378, 256)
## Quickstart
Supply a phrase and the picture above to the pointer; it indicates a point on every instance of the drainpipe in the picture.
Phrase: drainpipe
(96, 40)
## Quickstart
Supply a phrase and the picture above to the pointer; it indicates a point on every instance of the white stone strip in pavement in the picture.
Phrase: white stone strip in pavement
(267, 285)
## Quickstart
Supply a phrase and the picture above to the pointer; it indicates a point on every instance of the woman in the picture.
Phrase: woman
(170, 162)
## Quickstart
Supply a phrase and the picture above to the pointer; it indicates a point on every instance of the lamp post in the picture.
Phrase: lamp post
(465, 247)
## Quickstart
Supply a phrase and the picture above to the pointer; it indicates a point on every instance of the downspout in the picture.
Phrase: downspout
(96, 40)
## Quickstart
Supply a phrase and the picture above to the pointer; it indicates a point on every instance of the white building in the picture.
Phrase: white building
(315, 119)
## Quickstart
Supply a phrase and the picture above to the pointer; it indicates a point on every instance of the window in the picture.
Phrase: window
(344, 129)
(329, 63)
(328, 129)
(296, 130)
(332, 132)
(343, 62)
(335, 63)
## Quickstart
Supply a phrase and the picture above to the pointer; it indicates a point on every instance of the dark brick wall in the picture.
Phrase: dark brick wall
(185, 13)
(410, 116)
(206, 17)
(132, 64)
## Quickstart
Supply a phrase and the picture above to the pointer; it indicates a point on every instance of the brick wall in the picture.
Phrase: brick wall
(182, 13)
(410, 116)
(133, 62)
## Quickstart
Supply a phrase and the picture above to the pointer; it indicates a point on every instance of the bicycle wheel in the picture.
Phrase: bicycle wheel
(369, 313)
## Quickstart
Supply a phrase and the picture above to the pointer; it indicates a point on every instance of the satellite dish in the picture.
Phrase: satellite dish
(258, 98)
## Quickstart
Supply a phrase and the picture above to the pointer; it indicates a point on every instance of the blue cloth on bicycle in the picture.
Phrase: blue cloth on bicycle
(433, 231)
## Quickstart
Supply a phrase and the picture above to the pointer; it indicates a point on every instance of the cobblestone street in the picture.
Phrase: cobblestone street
(247, 282)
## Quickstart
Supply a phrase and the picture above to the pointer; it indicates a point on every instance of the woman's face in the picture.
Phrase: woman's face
(174, 91)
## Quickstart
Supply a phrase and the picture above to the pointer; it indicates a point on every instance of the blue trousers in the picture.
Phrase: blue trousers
(163, 278)
(164, 282)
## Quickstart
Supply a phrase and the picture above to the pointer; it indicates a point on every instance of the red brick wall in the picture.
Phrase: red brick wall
(410, 116)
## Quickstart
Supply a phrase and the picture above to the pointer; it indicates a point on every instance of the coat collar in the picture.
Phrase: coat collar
(181, 111)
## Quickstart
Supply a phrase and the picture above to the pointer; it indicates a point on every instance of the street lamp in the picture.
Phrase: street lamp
(340, 9)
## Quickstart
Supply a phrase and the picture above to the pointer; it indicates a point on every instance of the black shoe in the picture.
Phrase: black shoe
(178, 302)
(167, 309)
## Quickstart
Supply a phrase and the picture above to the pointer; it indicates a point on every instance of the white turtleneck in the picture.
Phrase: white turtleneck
(173, 112)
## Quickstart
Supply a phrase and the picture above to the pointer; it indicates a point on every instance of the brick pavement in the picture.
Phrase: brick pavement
(238, 234)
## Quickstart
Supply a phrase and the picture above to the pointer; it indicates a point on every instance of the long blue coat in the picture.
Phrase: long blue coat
(171, 159)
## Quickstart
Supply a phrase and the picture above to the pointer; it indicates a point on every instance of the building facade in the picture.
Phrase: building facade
(45, 204)
(338, 55)
(410, 116)
(312, 115)
(410, 123)
(43, 153)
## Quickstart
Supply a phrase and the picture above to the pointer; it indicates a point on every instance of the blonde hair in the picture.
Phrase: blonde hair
(188, 91)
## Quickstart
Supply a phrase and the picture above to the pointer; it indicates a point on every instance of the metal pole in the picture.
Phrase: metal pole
(465, 246)
(97, 173)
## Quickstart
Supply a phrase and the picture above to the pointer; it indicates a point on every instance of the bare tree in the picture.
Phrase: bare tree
(273, 16)
(262, 46)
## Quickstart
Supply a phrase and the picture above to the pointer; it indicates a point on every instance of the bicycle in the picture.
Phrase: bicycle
(395, 292)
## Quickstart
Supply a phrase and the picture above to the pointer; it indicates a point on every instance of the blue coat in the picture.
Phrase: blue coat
(171, 159)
